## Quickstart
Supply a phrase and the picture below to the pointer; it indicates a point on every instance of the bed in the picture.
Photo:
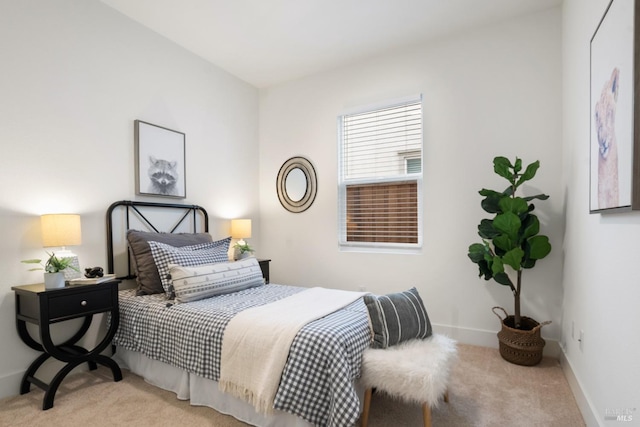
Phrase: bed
(176, 339)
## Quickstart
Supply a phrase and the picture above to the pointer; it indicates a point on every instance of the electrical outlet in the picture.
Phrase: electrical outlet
(581, 340)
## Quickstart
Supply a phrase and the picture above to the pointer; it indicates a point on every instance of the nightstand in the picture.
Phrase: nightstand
(44, 307)
(264, 266)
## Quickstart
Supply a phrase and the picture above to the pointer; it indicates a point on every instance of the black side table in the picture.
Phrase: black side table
(264, 266)
(44, 307)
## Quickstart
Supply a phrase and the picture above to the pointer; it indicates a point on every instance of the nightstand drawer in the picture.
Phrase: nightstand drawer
(78, 304)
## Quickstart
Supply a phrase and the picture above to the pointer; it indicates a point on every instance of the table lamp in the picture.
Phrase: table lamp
(240, 229)
(61, 230)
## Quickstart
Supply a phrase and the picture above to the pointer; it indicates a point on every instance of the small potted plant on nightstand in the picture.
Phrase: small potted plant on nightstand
(242, 250)
(53, 270)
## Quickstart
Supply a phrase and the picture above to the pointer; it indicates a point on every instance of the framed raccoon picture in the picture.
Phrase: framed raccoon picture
(614, 171)
(159, 161)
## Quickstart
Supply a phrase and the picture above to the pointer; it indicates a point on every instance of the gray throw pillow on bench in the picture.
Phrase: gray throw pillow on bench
(397, 317)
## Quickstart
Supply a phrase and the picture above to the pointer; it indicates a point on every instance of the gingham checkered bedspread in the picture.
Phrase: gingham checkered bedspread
(324, 359)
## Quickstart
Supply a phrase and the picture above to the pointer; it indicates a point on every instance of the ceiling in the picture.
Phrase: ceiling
(267, 42)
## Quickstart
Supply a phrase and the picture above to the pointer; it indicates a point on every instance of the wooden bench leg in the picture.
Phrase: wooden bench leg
(426, 414)
(426, 410)
(367, 405)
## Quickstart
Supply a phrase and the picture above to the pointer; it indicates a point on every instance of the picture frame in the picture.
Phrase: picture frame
(614, 169)
(159, 161)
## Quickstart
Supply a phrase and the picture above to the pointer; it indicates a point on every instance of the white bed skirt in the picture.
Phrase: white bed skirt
(201, 391)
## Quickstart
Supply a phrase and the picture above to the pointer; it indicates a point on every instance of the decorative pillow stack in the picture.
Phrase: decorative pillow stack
(397, 317)
(205, 253)
(204, 281)
(144, 266)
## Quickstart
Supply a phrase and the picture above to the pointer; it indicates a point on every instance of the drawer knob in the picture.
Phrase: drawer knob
(83, 303)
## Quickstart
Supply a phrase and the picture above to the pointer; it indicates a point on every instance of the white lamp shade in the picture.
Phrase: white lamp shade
(61, 230)
(241, 228)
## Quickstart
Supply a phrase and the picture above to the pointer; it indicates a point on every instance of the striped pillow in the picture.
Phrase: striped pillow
(397, 317)
(204, 253)
(204, 281)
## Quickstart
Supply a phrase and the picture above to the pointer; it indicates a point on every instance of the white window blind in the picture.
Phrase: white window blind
(381, 176)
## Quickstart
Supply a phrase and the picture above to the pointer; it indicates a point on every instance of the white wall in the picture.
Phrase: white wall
(601, 277)
(491, 91)
(75, 76)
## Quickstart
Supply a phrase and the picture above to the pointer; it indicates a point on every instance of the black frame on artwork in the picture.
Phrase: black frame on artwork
(614, 149)
(159, 161)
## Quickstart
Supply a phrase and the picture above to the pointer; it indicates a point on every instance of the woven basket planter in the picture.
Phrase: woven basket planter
(520, 346)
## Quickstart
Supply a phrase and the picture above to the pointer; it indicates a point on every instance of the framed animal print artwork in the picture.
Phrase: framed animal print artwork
(615, 142)
(160, 161)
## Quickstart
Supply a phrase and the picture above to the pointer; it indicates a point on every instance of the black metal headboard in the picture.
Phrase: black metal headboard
(140, 210)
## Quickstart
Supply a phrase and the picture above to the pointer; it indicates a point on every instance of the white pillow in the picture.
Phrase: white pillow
(204, 281)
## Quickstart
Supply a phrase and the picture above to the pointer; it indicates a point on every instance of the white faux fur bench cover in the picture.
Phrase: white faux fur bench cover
(415, 370)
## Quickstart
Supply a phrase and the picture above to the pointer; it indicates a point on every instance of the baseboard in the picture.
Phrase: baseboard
(485, 338)
(10, 384)
(585, 406)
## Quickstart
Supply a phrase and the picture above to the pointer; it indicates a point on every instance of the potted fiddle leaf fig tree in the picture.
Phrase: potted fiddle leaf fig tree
(511, 243)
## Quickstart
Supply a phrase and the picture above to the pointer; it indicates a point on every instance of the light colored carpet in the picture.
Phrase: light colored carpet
(485, 391)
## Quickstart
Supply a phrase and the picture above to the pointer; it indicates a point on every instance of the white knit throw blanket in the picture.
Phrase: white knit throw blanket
(256, 342)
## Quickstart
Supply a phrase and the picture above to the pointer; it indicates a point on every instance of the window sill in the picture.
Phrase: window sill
(382, 249)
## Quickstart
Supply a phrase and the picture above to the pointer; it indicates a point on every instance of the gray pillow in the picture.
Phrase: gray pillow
(397, 317)
(145, 268)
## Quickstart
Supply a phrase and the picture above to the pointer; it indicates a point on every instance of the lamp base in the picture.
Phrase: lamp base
(70, 273)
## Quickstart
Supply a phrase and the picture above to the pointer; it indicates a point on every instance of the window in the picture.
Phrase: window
(380, 176)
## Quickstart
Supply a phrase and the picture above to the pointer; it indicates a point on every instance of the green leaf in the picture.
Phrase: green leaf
(486, 229)
(31, 261)
(503, 242)
(537, 196)
(476, 252)
(517, 205)
(530, 226)
(502, 166)
(539, 247)
(517, 167)
(486, 192)
(499, 251)
(497, 266)
(508, 191)
(503, 279)
(513, 258)
(484, 270)
(491, 204)
(529, 173)
(508, 223)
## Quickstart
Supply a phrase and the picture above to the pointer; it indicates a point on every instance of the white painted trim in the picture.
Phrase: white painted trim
(589, 414)
(486, 338)
(382, 104)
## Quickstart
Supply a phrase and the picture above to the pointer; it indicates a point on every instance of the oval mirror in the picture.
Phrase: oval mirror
(296, 184)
